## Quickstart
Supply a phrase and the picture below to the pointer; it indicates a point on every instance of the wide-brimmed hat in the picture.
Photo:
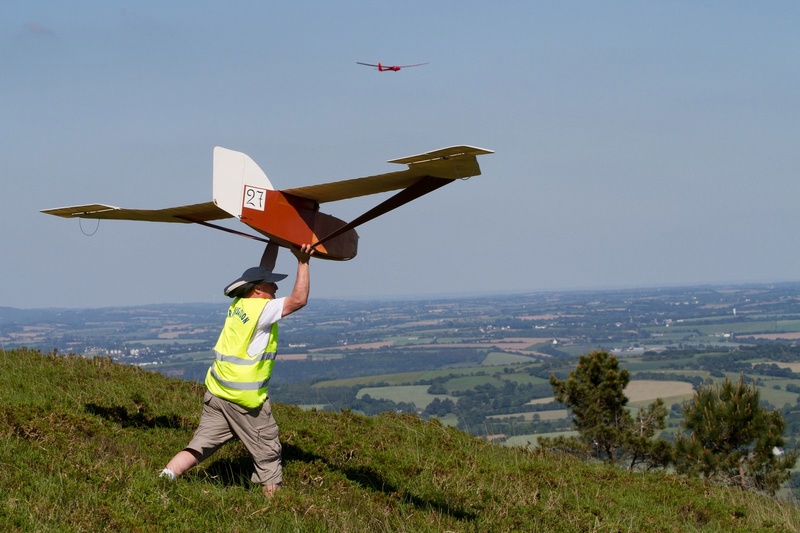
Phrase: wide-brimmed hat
(253, 275)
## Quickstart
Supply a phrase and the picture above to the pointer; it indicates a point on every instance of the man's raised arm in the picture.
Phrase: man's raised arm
(299, 297)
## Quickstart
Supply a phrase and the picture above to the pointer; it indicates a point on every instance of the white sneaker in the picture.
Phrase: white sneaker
(167, 473)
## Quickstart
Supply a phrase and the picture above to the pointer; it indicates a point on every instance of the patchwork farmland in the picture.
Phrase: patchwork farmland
(482, 364)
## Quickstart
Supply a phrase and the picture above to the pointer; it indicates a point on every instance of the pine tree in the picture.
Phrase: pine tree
(732, 439)
(595, 394)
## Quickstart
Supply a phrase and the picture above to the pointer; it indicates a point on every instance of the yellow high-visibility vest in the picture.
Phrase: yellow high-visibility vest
(235, 375)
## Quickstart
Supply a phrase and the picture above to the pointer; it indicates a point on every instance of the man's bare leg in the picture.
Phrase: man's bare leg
(183, 461)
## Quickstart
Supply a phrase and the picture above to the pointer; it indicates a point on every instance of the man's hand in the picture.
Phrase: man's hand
(304, 253)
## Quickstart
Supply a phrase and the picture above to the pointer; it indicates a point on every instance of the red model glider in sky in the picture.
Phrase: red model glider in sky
(384, 68)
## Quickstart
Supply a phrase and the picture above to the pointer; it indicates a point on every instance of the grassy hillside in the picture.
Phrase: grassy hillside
(82, 442)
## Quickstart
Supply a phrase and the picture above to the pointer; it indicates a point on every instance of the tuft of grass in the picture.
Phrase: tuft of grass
(82, 442)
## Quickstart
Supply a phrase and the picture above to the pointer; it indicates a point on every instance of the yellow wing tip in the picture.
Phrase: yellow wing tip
(77, 211)
(451, 152)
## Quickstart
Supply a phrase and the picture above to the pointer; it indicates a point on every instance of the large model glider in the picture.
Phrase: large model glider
(291, 217)
(384, 68)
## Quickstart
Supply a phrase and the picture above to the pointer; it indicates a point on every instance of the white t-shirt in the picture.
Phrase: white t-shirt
(272, 313)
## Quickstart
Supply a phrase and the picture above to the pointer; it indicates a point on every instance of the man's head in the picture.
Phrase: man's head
(254, 280)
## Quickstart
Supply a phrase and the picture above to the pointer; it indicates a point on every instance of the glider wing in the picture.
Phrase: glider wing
(451, 163)
(186, 214)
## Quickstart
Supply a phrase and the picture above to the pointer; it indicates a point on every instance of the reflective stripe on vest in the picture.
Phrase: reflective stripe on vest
(235, 375)
(238, 385)
(265, 356)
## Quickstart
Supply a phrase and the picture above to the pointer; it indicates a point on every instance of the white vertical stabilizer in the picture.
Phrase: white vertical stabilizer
(232, 171)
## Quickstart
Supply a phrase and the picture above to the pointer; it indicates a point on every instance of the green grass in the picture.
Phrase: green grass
(530, 440)
(82, 441)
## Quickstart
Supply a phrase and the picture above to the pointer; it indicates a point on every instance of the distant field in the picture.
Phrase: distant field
(794, 367)
(746, 329)
(502, 358)
(638, 391)
(515, 345)
(392, 379)
(156, 342)
(524, 379)
(195, 356)
(364, 346)
(774, 391)
(555, 414)
(540, 401)
(407, 377)
(711, 326)
(577, 349)
(645, 390)
(465, 383)
(776, 336)
(173, 332)
(416, 394)
(292, 357)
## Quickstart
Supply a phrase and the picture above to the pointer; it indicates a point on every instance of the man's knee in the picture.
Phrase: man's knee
(197, 455)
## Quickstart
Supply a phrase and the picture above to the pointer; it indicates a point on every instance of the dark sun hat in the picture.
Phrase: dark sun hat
(251, 276)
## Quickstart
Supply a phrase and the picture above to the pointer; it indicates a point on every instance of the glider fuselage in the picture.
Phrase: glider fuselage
(289, 219)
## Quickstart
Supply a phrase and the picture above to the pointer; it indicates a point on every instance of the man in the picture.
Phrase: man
(236, 403)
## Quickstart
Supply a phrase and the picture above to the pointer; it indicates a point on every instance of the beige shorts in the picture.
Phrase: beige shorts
(223, 420)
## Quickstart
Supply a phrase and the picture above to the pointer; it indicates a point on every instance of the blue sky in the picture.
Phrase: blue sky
(637, 143)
